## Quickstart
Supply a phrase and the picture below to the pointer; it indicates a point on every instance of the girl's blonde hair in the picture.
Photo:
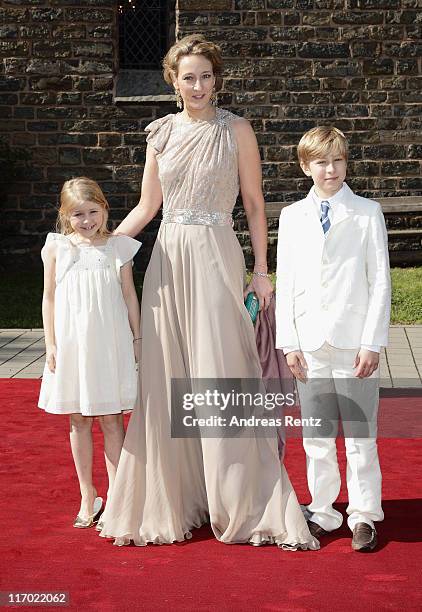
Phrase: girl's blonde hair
(75, 191)
(194, 44)
(321, 141)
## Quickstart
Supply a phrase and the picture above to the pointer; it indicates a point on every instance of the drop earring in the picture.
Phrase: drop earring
(214, 97)
(179, 100)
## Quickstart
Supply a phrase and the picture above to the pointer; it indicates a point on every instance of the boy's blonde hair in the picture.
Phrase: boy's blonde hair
(194, 44)
(75, 191)
(321, 141)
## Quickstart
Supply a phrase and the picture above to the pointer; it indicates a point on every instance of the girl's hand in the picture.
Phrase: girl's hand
(50, 357)
(137, 346)
(263, 288)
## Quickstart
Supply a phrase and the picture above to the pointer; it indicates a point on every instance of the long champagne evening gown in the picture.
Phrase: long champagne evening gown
(195, 325)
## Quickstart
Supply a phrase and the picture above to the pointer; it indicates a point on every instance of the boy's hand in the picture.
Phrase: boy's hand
(366, 363)
(50, 357)
(297, 364)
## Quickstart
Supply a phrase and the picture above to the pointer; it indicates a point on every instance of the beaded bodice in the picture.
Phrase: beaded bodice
(198, 166)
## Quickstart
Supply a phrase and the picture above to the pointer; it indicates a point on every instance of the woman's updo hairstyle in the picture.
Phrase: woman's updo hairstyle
(194, 44)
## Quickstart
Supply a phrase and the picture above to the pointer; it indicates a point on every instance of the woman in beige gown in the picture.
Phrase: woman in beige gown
(194, 325)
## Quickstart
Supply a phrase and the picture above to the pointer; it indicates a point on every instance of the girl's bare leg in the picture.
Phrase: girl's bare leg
(82, 451)
(114, 433)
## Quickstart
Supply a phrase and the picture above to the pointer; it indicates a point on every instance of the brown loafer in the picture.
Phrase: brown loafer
(316, 530)
(364, 538)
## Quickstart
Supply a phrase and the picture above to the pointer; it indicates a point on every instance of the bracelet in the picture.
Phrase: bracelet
(135, 339)
(261, 274)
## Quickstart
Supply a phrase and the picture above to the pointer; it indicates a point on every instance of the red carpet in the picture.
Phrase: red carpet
(41, 551)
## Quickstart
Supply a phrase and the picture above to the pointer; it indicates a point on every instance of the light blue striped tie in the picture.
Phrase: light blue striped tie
(325, 221)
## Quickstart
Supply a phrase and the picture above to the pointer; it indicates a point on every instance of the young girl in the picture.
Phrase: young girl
(91, 325)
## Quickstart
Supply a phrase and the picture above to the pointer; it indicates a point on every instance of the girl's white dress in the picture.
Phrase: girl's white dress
(95, 365)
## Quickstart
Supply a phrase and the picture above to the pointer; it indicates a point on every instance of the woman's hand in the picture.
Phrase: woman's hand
(50, 357)
(263, 288)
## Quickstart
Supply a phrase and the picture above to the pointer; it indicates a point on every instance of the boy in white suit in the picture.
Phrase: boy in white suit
(333, 309)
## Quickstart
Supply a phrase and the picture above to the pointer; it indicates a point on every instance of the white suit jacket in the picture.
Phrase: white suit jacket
(333, 288)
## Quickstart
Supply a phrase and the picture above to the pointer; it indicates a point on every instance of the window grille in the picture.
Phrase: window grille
(143, 33)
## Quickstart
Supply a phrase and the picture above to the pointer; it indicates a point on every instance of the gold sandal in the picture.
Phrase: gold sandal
(84, 523)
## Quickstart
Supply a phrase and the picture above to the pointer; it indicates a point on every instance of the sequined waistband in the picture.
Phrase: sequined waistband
(197, 217)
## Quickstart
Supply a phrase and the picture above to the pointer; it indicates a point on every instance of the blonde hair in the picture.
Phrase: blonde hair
(194, 44)
(321, 141)
(75, 191)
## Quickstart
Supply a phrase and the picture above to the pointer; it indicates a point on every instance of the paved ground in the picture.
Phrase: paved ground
(22, 355)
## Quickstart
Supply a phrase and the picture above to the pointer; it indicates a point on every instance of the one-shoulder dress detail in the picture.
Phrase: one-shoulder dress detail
(195, 325)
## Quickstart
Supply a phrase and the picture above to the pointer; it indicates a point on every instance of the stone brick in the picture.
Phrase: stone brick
(70, 156)
(380, 66)
(49, 48)
(378, 4)
(103, 50)
(53, 83)
(249, 19)
(10, 15)
(280, 4)
(46, 14)
(292, 33)
(44, 156)
(385, 151)
(11, 47)
(337, 68)
(406, 17)
(23, 112)
(103, 97)
(269, 18)
(249, 5)
(346, 97)
(35, 31)
(307, 112)
(43, 126)
(102, 84)
(310, 98)
(8, 98)
(65, 97)
(111, 140)
(103, 31)
(89, 15)
(23, 139)
(60, 112)
(352, 110)
(409, 66)
(280, 97)
(323, 50)
(278, 154)
(97, 156)
(317, 18)
(11, 84)
(8, 31)
(54, 139)
(358, 17)
(291, 18)
(400, 168)
(94, 68)
(128, 173)
(69, 32)
(195, 19)
(366, 49)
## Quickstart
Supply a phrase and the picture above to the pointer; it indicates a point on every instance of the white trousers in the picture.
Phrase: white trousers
(333, 391)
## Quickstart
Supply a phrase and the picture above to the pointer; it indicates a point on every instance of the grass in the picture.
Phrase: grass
(21, 293)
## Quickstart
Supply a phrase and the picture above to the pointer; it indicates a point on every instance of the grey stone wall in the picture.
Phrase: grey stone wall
(290, 65)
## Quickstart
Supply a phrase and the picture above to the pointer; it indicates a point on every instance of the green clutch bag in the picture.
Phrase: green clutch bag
(252, 305)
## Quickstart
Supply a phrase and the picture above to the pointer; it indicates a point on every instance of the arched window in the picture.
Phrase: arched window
(146, 31)
(143, 33)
